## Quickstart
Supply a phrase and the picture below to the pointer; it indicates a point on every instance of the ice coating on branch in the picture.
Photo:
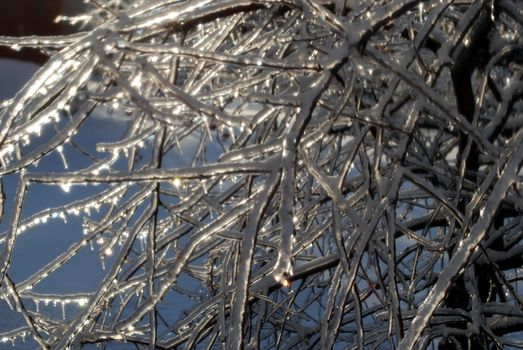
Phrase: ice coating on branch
(267, 174)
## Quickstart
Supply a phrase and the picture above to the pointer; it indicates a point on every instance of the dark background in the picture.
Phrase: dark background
(34, 17)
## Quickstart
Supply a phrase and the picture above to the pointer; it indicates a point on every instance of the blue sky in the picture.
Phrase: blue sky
(39, 245)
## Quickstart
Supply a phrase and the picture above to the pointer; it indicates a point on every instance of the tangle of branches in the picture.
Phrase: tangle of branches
(296, 174)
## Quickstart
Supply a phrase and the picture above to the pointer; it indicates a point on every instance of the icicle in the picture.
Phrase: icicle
(108, 251)
(207, 127)
(137, 81)
(63, 309)
(122, 300)
(55, 117)
(60, 150)
(82, 302)
(25, 140)
(8, 303)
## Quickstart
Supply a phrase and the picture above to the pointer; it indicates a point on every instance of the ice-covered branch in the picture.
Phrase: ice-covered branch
(268, 174)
